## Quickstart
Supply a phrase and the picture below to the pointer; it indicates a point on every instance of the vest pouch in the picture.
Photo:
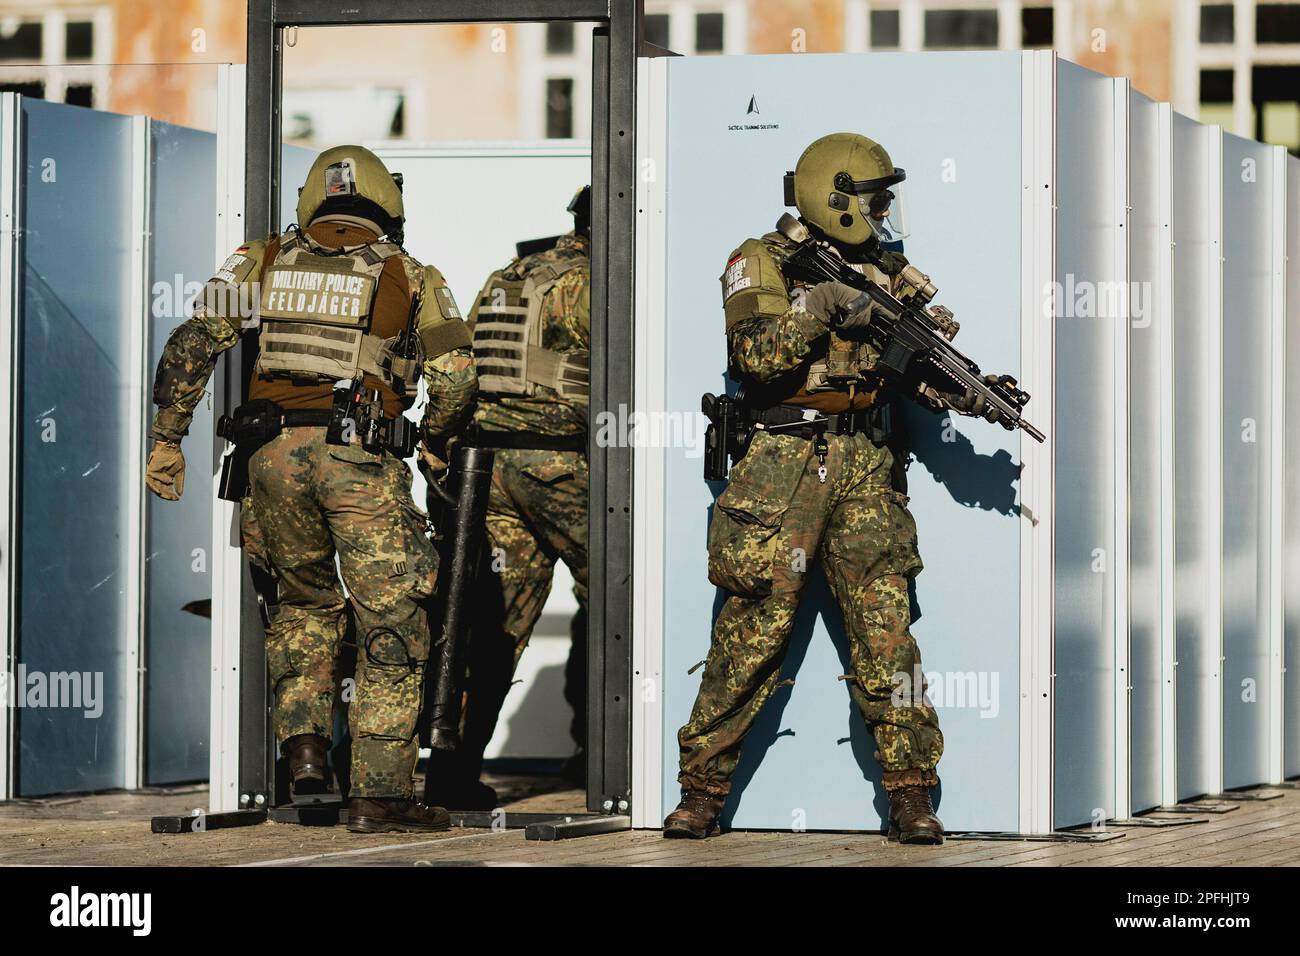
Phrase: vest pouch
(252, 424)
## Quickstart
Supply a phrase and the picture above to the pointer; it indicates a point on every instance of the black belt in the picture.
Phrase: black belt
(798, 419)
(526, 441)
(257, 422)
(306, 418)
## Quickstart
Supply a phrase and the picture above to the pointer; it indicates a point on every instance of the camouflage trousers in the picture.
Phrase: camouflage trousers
(313, 503)
(537, 514)
(775, 518)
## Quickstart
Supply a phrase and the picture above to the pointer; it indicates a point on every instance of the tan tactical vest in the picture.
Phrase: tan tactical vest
(508, 353)
(316, 311)
(846, 363)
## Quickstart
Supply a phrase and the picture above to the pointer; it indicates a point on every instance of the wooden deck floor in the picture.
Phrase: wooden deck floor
(113, 829)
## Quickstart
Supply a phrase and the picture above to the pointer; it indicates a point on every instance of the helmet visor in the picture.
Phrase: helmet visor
(886, 212)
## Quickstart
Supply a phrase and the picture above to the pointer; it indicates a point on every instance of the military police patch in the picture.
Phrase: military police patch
(739, 275)
(230, 269)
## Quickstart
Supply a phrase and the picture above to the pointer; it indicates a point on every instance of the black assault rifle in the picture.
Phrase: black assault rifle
(913, 340)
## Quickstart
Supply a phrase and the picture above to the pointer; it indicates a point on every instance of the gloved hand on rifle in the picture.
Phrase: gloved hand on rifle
(431, 466)
(434, 470)
(843, 308)
(977, 406)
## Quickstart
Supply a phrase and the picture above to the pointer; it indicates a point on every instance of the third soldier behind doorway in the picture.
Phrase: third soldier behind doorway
(531, 330)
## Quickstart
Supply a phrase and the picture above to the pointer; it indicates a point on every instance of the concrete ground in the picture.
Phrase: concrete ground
(113, 829)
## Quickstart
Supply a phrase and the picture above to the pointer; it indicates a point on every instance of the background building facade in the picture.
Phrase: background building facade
(1234, 63)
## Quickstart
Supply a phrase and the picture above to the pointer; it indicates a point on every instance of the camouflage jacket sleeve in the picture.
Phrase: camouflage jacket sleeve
(448, 361)
(191, 352)
(768, 333)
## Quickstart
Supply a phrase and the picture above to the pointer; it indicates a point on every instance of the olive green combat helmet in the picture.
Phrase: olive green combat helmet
(353, 181)
(841, 185)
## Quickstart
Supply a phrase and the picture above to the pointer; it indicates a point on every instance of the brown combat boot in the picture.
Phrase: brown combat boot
(695, 818)
(394, 815)
(911, 817)
(306, 753)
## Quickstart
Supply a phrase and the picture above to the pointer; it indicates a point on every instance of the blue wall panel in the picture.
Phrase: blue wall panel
(77, 408)
(179, 544)
(809, 758)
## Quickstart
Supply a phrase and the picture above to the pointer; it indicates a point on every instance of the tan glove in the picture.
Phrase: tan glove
(165, 471)
(840, 306)
(431, 466)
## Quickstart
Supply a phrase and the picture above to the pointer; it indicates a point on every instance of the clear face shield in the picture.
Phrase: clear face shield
(886, 213)
(880, 203)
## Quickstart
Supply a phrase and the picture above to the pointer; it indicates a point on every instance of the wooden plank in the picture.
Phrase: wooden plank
(113, 829)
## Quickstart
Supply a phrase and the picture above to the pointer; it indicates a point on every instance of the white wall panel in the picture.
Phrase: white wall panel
(1291, 488)
(1150, 432)
(1247, 349)
(1197, 302)
(1090, 561)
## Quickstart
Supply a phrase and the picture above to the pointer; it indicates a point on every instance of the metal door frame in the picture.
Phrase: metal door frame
(613, 162)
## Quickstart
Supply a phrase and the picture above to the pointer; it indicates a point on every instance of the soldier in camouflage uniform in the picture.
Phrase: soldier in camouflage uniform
(338, 300)
(532, 329)
(815, 482)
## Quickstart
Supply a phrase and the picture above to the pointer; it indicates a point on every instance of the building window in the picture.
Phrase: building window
(1216, 86)
(559, 38)
(80, 94)
(79, 41)
(884, 30)
(1276, 94)
(33, 40)
(961, 29)
(559, 108)
(397, 128)
(1216, 98)
(1036, 26)
(20, 41)
(656, 29)
(33, 89)
(1277, 23)
(708, 33)
(1216, 23)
